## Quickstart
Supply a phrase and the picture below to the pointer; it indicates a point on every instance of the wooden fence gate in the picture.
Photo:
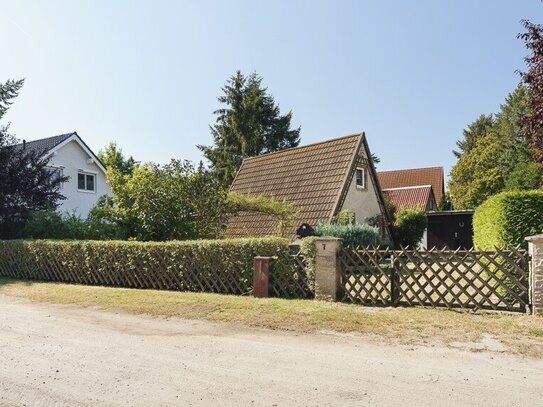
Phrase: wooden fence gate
(440, 278)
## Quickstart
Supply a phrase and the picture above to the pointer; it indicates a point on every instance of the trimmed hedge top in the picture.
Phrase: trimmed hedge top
(507, 218)
(219, 266)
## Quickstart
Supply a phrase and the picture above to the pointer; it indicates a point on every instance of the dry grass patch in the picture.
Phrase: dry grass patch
(521, 334)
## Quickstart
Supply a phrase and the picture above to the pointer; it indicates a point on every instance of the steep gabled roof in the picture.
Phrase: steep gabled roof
(311, 178)
(44, 145)
(48, 145)
(414, 177)
(410, 197)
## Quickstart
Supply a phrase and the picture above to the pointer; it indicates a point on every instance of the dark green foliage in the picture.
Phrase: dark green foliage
(105, 222)
(472, 133)
(410, 226)
(224, 266)
(49, 224)
(8, 92)
(445, 203)
(248, 124)
(391, 208)
(507, 218)
(352, 234)
(25, 185)
(494, 154)
(524, 176)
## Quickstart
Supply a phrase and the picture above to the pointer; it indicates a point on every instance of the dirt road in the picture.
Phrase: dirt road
(59, 355)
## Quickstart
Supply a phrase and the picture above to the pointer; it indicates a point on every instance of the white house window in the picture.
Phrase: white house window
(361, 178)
(53, 175)
(86, 182)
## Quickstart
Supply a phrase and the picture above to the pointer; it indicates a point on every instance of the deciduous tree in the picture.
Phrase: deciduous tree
(112, 157)
(25, 185)
(533, 78)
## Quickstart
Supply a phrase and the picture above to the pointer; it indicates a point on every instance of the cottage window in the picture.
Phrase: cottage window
(86, 182)
(361, 178)
(53, 175)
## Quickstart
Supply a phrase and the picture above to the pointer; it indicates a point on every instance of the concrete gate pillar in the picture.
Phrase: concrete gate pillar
(535, 249)
(327, 269)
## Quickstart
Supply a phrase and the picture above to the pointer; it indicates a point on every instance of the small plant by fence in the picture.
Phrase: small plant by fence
(215, 266)
(441, 278)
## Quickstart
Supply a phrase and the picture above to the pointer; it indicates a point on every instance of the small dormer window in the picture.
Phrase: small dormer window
(361, 178)
(86, 182)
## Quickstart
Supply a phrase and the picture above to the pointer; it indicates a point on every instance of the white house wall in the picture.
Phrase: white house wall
(363, 202)
(72, 157)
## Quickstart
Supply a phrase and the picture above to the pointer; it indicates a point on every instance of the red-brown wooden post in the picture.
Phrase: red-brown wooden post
(261, 276)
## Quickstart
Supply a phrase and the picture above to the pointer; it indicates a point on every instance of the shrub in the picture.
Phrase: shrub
(352, 235)
(221, 266)
(49, 224)
(507, 218)
(344, 217)
(410, 226)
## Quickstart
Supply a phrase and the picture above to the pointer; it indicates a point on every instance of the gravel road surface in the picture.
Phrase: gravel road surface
(63, 355)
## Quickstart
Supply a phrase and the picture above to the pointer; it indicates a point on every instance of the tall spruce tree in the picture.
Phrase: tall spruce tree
(248, 124)
(472, 133)
(25, 185)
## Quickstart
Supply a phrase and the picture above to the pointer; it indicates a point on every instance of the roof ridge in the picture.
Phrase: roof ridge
(409, 187)
(304, 146)
(412, 169)
(47, 138)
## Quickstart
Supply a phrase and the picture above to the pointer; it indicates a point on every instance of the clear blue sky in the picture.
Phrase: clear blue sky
(411, 74)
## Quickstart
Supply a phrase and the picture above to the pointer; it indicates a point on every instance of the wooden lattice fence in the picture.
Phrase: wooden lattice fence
(291, 277)
(441, 278)
(213, 267)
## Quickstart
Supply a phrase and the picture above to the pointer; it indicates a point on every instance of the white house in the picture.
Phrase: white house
(71, 157)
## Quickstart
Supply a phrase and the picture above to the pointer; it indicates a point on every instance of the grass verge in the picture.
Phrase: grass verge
(521, 334)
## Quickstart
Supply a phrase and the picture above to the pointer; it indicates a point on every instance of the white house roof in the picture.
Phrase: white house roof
(50, 144)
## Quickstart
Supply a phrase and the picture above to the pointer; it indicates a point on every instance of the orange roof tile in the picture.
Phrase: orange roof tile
(411, 197)
(414, 177)
(310, 177)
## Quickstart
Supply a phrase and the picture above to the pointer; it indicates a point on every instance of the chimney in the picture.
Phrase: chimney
(24, 144)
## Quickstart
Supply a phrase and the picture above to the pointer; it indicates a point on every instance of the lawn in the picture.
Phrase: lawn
(521, 334)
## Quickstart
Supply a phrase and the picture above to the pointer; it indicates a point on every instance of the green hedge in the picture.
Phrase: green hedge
(219, 266)
(410, 226)
(507, 218)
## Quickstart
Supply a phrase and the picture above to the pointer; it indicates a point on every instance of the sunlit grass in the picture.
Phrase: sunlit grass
(520, 333)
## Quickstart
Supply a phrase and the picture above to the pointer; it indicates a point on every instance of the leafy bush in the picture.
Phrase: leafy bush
(49, 224)
(222, 266)
(507, 218)
(344, 217)
(352, 235)
(410, 226)
(169, 202)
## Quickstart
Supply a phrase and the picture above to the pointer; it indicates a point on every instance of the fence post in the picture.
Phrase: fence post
(261, 276)
(394, 281)
(535, 250)
(328, 269)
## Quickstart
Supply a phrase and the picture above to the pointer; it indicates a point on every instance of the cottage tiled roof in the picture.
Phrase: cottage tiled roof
(414, 177)
(410, 197)
(42, 146)
(310, 177)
